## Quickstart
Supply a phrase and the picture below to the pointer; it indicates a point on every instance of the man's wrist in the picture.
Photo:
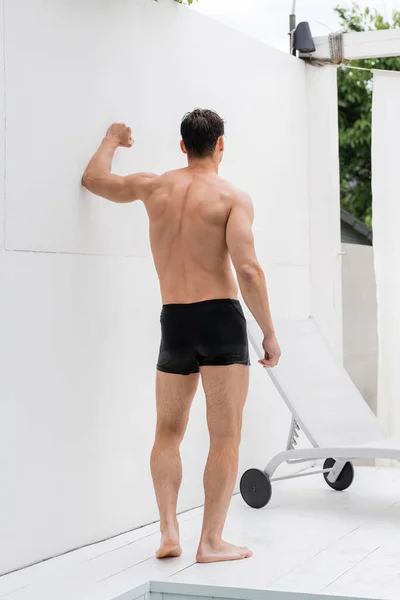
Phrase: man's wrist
(269, 333)
(110, 141)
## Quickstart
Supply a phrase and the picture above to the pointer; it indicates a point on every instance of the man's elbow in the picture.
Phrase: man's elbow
(93, 184)
(250, 273)
(87, 181)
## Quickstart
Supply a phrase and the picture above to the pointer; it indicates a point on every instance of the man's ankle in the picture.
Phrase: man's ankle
(210, 540)
(170, 529)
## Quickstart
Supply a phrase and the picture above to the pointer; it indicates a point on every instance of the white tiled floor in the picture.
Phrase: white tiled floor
(309, 539)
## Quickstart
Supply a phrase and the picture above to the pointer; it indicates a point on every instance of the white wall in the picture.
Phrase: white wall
(360, 336)
(79, 303)
(324, 203)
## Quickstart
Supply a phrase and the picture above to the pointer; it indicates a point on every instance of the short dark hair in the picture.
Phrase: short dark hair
(200, 130)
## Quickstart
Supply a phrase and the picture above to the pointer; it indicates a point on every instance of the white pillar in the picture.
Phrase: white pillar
(386, 221)
(2, 128)
(324, 203)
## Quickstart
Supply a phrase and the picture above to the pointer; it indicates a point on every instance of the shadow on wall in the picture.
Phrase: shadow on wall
(360, 338)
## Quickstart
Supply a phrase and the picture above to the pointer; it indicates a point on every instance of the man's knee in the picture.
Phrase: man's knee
(171, 431)
(227, 430)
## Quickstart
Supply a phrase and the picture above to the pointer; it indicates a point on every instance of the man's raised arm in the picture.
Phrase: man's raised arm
(98, 178)
(251, 278)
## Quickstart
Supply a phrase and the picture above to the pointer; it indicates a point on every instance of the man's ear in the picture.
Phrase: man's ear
(183, 147)
(221, 143)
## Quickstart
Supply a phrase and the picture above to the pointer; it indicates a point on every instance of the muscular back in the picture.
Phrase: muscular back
(198, 222)
(188, 213)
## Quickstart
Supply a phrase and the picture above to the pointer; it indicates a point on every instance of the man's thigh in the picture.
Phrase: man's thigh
(226, 389)
(174, 395)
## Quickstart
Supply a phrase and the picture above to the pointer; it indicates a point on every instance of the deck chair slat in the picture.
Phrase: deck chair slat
(317, 388)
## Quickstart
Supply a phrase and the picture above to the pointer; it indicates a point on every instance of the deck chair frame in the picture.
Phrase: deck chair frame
(293, 455)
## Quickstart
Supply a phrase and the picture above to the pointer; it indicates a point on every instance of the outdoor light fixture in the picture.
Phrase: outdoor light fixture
(300, 35)
(302, 38)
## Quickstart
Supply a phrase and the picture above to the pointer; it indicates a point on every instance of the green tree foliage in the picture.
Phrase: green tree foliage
(355, 103)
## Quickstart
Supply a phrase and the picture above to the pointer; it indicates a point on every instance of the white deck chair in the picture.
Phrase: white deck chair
(325, 405)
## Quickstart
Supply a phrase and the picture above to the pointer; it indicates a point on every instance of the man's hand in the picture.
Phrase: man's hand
(272, 352)
(120, 134)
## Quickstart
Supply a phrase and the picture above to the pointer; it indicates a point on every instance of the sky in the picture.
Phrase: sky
(268, 19)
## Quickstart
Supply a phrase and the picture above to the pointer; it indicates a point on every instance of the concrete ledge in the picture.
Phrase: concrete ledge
(162, 590)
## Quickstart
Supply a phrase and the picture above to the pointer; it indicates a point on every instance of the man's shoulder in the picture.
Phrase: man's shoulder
(236, 194)
(173, 174)
(167, 178)
(159, 181)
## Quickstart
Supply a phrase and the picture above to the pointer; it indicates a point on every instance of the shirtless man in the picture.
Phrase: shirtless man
(199, 223)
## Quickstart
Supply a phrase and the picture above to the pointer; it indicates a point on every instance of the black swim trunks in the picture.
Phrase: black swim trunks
(208, 333)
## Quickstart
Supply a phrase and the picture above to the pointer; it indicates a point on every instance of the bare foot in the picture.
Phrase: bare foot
(170, 548)
(208, 553)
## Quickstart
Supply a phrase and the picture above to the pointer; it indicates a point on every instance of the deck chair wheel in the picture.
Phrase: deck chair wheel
(345, 478)
(256, 488)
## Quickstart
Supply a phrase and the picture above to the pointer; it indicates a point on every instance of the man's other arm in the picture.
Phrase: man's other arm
(251, 278)
(98, 178)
